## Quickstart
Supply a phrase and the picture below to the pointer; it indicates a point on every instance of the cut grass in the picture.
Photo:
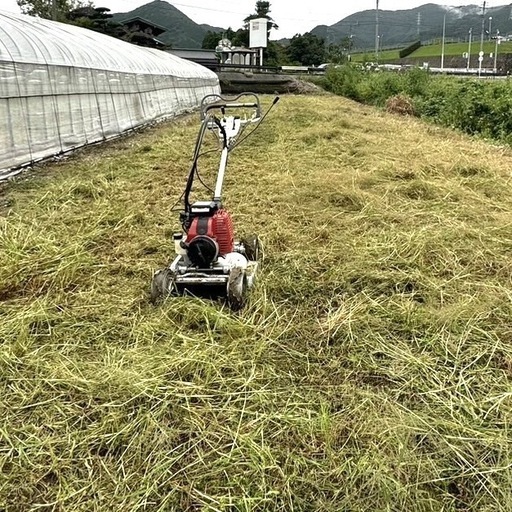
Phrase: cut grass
(370, 371)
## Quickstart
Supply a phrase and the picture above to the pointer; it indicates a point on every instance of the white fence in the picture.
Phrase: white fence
(62, 87)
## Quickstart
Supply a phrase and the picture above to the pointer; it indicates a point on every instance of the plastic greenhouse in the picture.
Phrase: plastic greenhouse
(62, 87)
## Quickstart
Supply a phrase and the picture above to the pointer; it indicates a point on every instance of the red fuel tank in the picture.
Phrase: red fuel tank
(219, 226)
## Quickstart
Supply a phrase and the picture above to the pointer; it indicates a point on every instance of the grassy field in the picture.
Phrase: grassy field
(371, 370)
(457, 49)
(435, 50)
(384, 56)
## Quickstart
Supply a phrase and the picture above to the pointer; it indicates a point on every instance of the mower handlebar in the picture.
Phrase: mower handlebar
(230, 105)
(216, 101)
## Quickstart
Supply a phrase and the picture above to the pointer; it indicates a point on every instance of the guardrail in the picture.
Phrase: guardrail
(236, 67)
(269, 69)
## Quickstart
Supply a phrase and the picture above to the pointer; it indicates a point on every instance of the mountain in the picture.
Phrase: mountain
(397, 28)
(181, 32)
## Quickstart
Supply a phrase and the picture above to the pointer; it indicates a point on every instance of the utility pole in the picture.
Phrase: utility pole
(496, 52)
(481, 53)
(490, 25)
(469, 48)
(350, 40)
(419, 24)
(442, 45)
(377, 32)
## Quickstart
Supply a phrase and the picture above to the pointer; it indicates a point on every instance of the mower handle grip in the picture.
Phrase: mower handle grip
(229, 105)
(220, 102)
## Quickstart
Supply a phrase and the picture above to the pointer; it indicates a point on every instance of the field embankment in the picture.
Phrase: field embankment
(371, 369)
(454, 55)
(476, 107)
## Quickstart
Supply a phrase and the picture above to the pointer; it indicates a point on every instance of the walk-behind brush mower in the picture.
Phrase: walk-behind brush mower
(209, 261)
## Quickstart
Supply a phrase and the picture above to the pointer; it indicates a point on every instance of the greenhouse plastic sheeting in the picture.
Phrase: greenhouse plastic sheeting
(62, 87)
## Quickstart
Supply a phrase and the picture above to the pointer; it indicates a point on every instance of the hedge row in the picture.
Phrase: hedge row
(405, 52)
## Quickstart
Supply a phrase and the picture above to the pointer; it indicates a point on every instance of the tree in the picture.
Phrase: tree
(241, 37)
(338, 53)
(98, 19)
(211, 39)
(45, 8)
(276, 54)
(262, 11)
(307, 49)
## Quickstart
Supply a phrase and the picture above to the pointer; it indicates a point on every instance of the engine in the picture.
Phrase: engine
(208, 237)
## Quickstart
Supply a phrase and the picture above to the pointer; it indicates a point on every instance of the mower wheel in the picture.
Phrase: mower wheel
(162, 285)
(252, 247)
(237, 289)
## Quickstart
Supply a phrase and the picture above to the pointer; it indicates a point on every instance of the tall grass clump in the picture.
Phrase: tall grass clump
(370, 371)
(345, 81)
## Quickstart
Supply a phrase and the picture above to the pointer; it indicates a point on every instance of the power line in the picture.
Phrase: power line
(208, 9)
(244, 14)
(384, 21)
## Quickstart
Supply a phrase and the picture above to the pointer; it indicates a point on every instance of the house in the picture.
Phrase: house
(143, 32)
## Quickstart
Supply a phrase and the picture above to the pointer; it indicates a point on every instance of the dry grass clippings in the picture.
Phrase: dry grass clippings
(370, 371)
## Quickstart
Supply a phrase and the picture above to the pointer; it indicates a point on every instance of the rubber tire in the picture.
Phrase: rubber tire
(160, 285)
(236, 299)
(252, 247)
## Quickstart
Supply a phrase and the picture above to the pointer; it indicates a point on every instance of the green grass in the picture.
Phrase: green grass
(457, 49)
(370, 371)
(384, 56)
(435, 50)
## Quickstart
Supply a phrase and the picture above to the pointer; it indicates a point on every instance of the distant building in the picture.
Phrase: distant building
(214, 59)
(241, 56)
(207, 58)
(143, 32)
(236, 55)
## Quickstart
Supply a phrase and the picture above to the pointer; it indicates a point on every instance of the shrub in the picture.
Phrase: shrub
(345, 81)
(382, 86)
(417, 82)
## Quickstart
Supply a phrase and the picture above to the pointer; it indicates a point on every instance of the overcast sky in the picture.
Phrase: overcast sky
(292, 16)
